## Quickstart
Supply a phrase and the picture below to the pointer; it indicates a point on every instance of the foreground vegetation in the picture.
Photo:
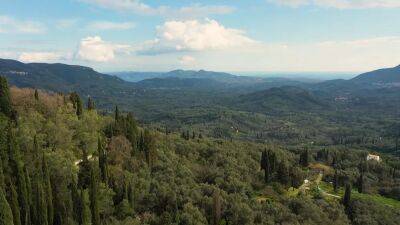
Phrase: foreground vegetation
(63, 163)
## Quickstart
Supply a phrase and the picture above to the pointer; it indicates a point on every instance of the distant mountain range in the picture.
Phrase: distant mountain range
(201, 74)
(179, 88)
(389, 77)
(382, 78)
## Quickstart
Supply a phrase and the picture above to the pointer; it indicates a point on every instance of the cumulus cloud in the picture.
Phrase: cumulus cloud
(41, 57)
(138, 7)
(194, 35)
(96, 50)
(11, 25)
(342, 4)
(107, 25)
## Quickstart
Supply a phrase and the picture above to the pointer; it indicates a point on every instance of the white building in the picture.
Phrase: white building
(373, 157)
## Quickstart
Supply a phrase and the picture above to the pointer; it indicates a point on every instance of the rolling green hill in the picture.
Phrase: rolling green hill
(280, 99)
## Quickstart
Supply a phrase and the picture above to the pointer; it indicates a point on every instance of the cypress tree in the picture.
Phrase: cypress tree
(40, 215)
(132, 132)
(85, 214)
(2, 184)
(216, 208)
(6, 216)
(48, 191)
(90, 104)
(131, 195)
(5, 101)
(360, 182)
(36, 95)
(18, 173)
(72, 98)
(116, 116)
(283, 173)
(94, 207)
(148, 146)
(84, 169)
(347, 196)
(102, 161)
(79, 106)
(29, 196)
(304, 158)
(13, 200)
(76, 202)
(265, 165)
(336, 181)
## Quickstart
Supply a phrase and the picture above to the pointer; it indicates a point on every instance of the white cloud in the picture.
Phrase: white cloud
(107, 25)
(187, 60)
(11, 25)
(342, 4)
(194, 35)
(138, 7)
(40, 57)
(97, 50)
(352, 55)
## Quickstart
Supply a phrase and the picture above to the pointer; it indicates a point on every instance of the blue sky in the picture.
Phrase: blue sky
(146, 35)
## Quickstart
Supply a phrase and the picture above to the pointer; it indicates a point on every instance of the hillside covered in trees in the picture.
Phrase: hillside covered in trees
(63, 162)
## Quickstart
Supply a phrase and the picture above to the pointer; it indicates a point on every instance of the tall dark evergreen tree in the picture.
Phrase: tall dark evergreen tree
(265, 165)
(94, 204)
(90, 104)
(347, 196)
(283, 173)
(76, 202)
(12, 197)
(5, 101)
(336, 181)
(131, 195)
(36, 95)
(132, 132)
(6, 215)
(48, 190)
(2, 177)
(79, 107)
(148, 147)
(40, 215)
(102, 161)
(216, 207)
(28, 219)
(116, 114)
(360, 182)
(18, 174)
(305, 158)
(84, 168)
(77, 103)
(85, 214)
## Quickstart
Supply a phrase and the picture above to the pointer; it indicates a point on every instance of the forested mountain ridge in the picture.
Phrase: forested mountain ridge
(378, 79)
(56, 77)
(280, 99)
(133, 176)
(263, 111)
(383, 76)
